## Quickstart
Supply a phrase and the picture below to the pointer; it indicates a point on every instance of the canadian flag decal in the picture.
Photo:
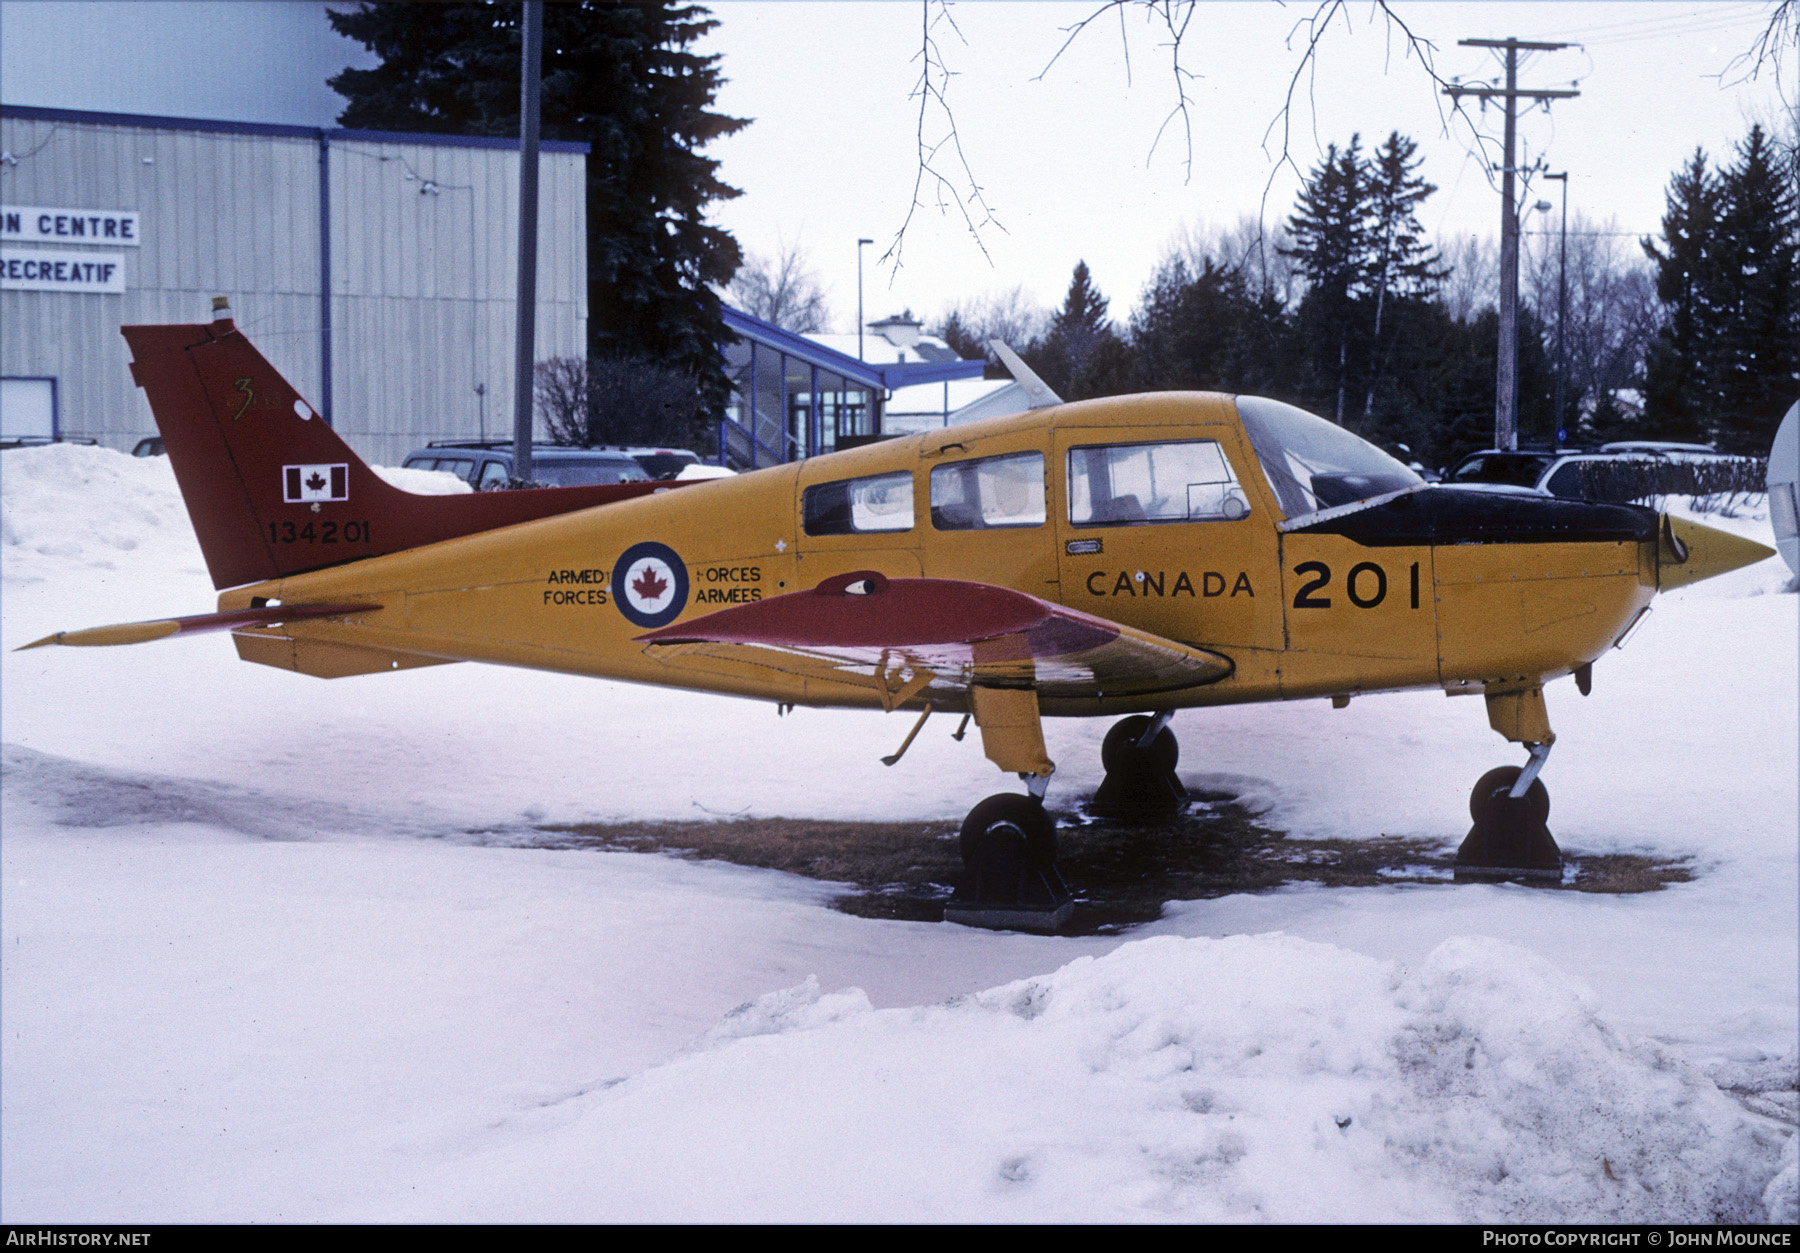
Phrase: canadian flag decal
(300, 484)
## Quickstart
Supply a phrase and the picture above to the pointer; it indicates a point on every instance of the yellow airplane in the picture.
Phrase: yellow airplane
(1126, 556)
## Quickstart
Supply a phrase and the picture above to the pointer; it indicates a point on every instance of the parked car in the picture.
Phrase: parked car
(660, 463)
(149, 446)
(39, 441)
(657, 463)
(486, 466)
(1623, 471)
(1522, 468)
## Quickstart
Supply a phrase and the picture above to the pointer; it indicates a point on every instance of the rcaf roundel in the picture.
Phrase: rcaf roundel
(650, 584)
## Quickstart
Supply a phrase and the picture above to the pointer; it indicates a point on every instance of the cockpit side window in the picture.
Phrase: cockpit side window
(881, 502)
(988, 492)
(1313, 464)
(1120, 484)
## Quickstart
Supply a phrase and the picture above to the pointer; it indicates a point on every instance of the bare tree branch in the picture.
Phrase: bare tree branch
(1176, 29)
(931, 92)
(1780, 36)
(1175, 16)
(1316, 25)
(945, 170)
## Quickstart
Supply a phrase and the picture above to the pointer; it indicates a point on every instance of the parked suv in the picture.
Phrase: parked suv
(1623, 471)
(488, 465)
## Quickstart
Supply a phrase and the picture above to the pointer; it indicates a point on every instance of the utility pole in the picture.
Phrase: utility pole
(531, 63)
(1506, 377)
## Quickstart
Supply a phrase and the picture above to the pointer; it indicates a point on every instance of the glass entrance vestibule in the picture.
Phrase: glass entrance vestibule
(792, 397)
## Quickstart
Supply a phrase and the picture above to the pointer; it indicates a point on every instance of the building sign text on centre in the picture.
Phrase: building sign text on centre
(118, 228)
(41, 269)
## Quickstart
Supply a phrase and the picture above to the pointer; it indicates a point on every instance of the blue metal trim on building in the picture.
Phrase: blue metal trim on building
(34, 113)
(897, 376)
(868, 373)
(456, 141)
(153, 122)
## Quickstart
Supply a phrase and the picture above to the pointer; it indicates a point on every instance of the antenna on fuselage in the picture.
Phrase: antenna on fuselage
(1036, 390)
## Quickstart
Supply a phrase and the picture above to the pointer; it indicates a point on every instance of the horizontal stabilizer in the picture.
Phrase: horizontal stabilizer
(162, 628)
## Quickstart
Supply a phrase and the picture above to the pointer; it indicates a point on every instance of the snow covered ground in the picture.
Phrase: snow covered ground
(256, 968)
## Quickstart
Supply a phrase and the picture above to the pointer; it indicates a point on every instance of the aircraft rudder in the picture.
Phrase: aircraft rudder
(265, 478)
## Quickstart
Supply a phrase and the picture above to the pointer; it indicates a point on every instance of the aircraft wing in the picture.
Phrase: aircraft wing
(931, 638)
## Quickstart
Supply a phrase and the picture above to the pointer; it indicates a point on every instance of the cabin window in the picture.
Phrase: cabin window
(1120, 484)
(881, 502)
(989, 492)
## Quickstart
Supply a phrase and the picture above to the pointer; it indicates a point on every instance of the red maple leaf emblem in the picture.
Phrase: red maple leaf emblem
(649, 584)
(316, 482)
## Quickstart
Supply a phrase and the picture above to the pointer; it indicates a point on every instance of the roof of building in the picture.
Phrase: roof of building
(873, 370)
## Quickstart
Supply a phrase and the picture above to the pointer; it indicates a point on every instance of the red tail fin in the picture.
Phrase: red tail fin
(272, 489)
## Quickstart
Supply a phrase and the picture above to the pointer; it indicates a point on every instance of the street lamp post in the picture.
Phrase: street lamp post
(1562, 307)
(860, 245)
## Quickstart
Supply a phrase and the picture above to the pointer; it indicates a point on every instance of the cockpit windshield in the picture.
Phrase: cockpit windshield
(1313, 464)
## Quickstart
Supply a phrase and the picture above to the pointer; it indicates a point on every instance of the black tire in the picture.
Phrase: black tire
(1009, 827)
(1119, 750)
(1490, 797)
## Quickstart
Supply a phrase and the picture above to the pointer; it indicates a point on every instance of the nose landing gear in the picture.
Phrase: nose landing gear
(1510, 805)
(1509, 839)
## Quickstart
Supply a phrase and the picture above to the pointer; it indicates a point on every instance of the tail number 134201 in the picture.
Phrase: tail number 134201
(319, 531)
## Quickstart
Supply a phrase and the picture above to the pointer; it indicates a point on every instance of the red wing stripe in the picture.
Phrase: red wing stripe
(894, 613)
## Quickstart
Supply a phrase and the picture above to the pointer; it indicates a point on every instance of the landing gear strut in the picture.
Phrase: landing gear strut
(1139, 754)
(1010, 880)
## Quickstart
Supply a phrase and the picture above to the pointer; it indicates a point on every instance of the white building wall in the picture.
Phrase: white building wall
(423, 283)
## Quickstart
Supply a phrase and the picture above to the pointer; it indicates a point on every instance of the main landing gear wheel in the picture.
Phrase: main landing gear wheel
(1140, 783)
(1509, 839)
(1010, 880)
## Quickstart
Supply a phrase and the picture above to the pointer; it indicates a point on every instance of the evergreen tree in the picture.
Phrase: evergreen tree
(1081, 356)
(1726, 362)
(1403, 265)
(1756, 361)
(1678, 366)
(962, 341)
(1207, 332)
(1333, 243)
(618, 77)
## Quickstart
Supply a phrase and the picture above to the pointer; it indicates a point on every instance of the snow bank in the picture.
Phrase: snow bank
(70, 513)
(68, 510)
(1257, 1078)
(424, 482)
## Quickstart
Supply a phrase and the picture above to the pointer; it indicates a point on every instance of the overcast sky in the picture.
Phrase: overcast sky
(1068, 157)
